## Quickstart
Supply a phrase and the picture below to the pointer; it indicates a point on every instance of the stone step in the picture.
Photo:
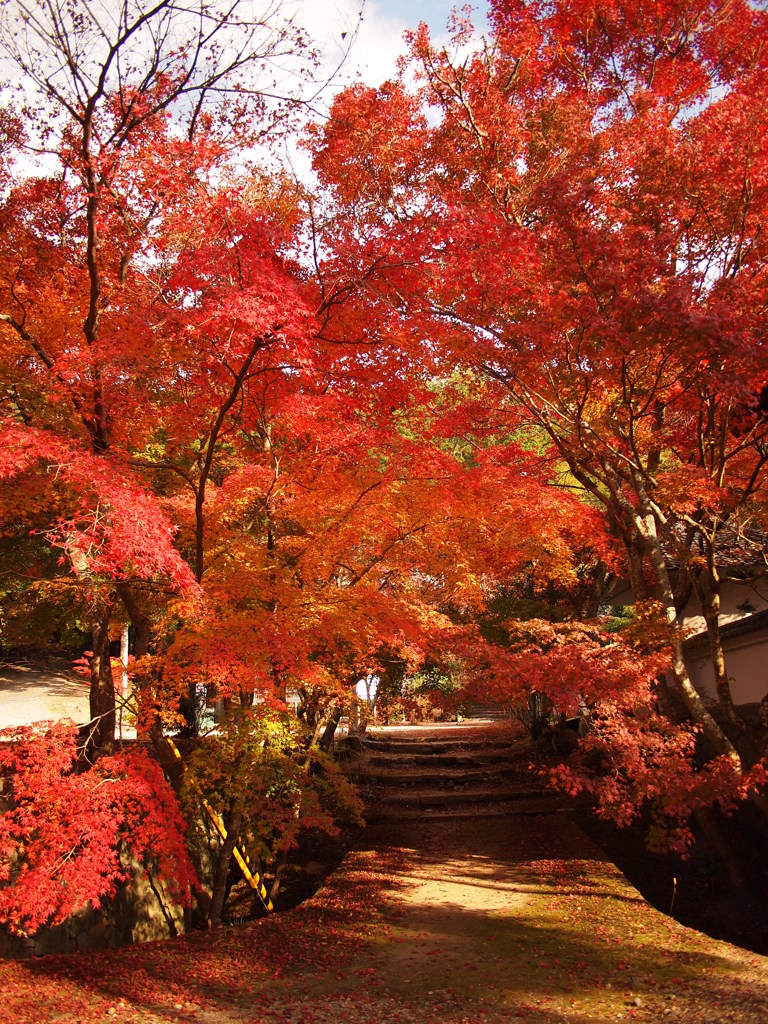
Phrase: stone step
(459, 794)
(487, 712)
(523, 807)
(456, 759)
(457, 773)
(398, 774)
(434, 747)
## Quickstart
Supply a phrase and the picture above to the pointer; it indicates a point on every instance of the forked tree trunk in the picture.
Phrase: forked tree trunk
(223, 864)
(690, 697)
(681, 680)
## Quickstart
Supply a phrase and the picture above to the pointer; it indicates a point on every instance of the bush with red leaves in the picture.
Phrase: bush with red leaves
(62, 829)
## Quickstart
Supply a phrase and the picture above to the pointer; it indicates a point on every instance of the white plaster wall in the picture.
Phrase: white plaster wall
(746, 660)
(755, 595)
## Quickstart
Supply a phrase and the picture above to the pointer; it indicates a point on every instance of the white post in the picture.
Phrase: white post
(123, 675)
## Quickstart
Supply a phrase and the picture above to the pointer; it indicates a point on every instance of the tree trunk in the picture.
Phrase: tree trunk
(223, 863)
(326, 740)
(706, 586)
(141, 624)
(714, 735)
(635, 568)
(142, 636)
(102, 689)
(280, 866)
(720, 845)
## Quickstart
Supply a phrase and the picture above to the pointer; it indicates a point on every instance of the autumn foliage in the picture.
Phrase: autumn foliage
(505, 351)
(66, 834)
(572, 216)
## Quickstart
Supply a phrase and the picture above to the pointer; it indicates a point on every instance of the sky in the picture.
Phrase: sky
(379, 40)
(373, 44)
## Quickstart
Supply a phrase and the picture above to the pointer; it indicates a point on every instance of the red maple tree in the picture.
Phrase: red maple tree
(577, 224)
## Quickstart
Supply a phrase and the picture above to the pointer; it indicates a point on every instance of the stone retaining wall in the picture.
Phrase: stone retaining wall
(141, 911)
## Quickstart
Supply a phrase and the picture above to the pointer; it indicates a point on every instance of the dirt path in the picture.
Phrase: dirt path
(522, 919)
(31, 693)
(454, 921)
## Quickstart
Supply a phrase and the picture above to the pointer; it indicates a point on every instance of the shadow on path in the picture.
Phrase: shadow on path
(457, 922)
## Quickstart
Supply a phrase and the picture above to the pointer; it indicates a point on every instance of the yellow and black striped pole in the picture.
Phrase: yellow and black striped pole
(253, 878)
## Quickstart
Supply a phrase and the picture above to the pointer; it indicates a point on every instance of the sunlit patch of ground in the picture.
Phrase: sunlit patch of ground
(32, 693)
(457, 922)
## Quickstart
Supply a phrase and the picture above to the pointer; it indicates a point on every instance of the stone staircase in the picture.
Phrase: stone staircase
(447, 773)
(487, 712)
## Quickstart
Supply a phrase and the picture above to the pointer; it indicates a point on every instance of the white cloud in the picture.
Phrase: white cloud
(378, 45)
(371, 44)
(377, 38)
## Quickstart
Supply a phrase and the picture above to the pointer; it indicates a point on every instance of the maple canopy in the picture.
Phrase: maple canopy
(506, 349)
(573, 216)
(66, 834)
(203, 439)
